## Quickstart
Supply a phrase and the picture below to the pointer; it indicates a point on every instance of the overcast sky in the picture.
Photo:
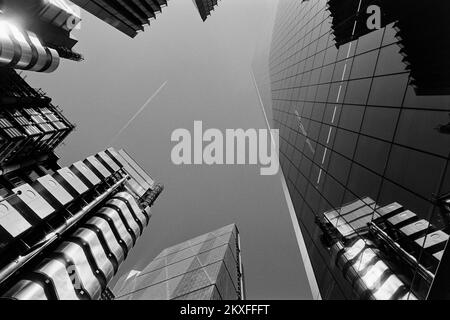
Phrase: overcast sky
(207, 69)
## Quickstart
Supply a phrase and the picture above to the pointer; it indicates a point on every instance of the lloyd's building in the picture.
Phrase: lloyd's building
(64, 230)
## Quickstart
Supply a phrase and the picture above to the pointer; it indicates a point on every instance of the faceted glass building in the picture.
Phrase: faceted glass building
(361, 96)
(208, 267)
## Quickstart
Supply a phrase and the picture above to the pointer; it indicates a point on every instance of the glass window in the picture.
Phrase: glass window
(357, 91)
(364, 65)
(333, 191)
(344, 52)
(318, 110)
(391, 193)
(331, 55)
(362, 183)
(372, 153)
(342, 70)
(417, 171)
(351, 117)
(380, 122)
(327, 73)
(345, 143)
(420, 129)
(389, 90)
(337, 90)
(313, 198)
(370, 41)
(339, 167)
(446, 186)
(305, 166)
(390, 61)
(318, 61)
(412, 100)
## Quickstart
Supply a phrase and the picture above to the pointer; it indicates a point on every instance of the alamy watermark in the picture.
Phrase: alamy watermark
(231, 147)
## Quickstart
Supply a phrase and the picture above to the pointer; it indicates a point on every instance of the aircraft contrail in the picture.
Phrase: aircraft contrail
(304, 132)
(136, 114)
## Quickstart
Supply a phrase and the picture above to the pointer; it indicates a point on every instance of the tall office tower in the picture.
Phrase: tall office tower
(127, 16)
(208, 267)
(205, 7)
(361, 95)
(35, 34)
(64, 231)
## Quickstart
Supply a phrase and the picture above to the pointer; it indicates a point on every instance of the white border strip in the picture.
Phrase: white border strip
(298, 233)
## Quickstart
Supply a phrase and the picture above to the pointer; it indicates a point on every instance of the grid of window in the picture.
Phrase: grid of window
(27, 131)
(351, 125)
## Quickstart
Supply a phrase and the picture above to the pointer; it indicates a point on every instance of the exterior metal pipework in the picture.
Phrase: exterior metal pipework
(23, 50)
(90, 256)
(14, 266)
(152, 195)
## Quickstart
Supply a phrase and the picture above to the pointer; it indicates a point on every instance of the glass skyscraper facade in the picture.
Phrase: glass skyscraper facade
(208, 267)
(361, 96)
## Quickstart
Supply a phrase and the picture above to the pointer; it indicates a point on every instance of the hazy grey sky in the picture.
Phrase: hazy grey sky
(207, 69)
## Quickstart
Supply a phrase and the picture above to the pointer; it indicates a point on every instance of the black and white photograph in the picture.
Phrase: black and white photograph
(245, 156)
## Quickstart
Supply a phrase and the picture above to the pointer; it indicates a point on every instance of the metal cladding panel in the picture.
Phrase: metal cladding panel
(53, 58)
(52, 186)
(100, 167)
(86, 172)
(59, 13)
(134, 206)
(111, 241)
(73, 180)
(131, 171)
(125, 211)
(27, 290)
(137, 168)
(133, 186)
(11, 220)
(112, 154)
(183, 271)
(119, 226)
(8, 53)
(91, 240)
(23, 50)
(108, 161)
(34, 200)
(40, 50)
(56, 271)
(82, 268)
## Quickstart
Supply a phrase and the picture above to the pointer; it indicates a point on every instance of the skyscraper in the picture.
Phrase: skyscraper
(205, 7)
(64, 231)
(208, 267)
(129, 17)
(361, 97)
(34, 34)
